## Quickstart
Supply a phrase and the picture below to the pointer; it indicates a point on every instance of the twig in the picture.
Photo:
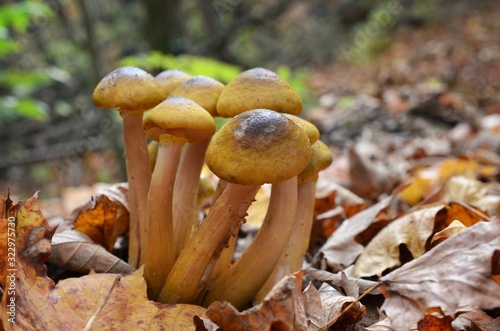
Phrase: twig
(101, 307)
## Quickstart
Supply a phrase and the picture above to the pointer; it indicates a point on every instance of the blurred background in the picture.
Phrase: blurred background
(362, 68)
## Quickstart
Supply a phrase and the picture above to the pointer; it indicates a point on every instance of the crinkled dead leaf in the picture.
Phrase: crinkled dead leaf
(97, 301)
(476, 320)
(103, 217)
(413, 231)
(454, 228)
(338, 311)
(455, 273)
(75, 251)
(383, 251)
(342, 249)
(435, 320)
(341, 282)
(471, 192)
(283, 308)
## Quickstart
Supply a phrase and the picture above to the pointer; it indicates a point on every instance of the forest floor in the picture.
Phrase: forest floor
(415, 134)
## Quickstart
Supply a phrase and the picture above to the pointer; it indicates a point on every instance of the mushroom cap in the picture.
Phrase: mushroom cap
(128, 89)
(170, 79)
(179, 120)
(310, 129)
(321, 158)
(258, 146)
(258, 88)
(203, 90)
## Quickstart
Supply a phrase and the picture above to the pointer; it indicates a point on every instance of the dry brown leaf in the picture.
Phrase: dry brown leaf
(283, 308)
(75, 251)
(99, 301)
(383, 251)
(383, 325)
(453, 274)
(435, 320)
(350, 286)
(333, 308)
(342, 249)
(476, 320)
(413, 231)
(104, 217)
(454, 228)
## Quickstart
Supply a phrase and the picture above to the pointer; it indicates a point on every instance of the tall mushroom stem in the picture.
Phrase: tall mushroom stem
(139, 177)
(184, 282)
(291, 258)
(245, 277)
(226, 256)
(185, 212)
(160, 253)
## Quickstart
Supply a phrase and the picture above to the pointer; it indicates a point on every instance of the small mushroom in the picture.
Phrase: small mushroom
(298, 242)
(204, 91)
(258, 88)
(172, 123)
(170, 79)
(132, 91)
(252, 89)
(266, 248)
(255, 147)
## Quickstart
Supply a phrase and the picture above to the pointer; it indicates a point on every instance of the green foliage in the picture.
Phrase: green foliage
(372, 37)
(194, 65)
(15, 19)
(298, 80)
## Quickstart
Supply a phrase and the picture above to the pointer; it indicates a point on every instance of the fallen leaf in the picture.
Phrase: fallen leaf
(410, 232)
(75, 251)
(103, 217)
(350, 286)
(435, 320)
(282, 309)
(383, 251)
(453, 274)
(453, 229)
(342, 249)
(97, 301)
(476, 320)
(338, 311)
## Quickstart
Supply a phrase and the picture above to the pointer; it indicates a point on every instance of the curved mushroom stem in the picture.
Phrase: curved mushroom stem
(139, 177)
(226, 256)
(245, 277)
(160, 253)
(298, 242)
(184, 281)
(187, 182)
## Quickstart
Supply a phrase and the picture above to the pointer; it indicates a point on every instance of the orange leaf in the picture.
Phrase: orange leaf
(97, 301)
(102, 219)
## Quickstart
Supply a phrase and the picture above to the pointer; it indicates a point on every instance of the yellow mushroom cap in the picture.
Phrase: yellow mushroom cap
(310, 129)
(321, 158)
(203, 90)
(170, 79)
(258, 146)
(258, 88)
(128, 89)
(178, 119)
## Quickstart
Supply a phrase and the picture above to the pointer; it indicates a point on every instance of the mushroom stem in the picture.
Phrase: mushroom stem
(226, 256)
(186, 212)
(291, 258)
(245, 277)
(184, 281)
(139, 177)
(160, 253)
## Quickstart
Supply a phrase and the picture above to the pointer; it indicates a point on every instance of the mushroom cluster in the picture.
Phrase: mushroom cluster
(188, 260)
